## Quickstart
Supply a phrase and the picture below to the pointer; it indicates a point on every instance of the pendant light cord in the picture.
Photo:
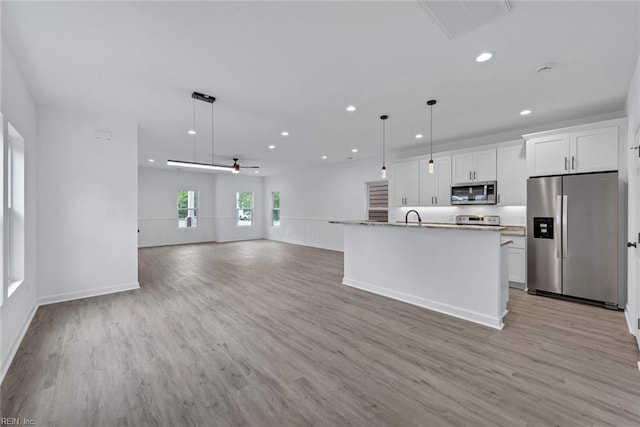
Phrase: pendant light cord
(194, 130)
(431, 132)
(212, 161)
(384, 132)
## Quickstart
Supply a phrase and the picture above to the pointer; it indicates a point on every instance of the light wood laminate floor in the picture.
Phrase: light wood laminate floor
(262, 333)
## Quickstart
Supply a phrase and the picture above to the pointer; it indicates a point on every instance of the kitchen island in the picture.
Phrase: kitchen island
(459, 270)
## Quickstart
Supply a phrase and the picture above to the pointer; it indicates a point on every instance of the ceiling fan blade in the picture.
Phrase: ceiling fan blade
(249, 167)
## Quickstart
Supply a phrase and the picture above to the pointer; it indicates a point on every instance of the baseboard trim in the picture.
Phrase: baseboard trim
(16, 344)
(629, 322)
(471, 316)
(69, 296)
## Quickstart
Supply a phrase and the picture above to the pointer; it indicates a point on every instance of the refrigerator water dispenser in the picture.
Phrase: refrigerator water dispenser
(542, 228)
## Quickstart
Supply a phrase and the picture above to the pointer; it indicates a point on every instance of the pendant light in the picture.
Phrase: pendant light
(384, 168)
(196, 96)
(431, 103)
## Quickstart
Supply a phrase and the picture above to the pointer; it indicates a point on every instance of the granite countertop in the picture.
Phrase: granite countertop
(514, 230)
(421, 225)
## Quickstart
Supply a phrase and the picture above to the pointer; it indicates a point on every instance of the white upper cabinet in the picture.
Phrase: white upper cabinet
(435, 188)
(512, 175)
(589, 148)
(594, 150)
(474, 166)
(548, 155)
(405, 184)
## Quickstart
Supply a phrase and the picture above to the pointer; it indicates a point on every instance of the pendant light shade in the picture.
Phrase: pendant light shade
(431, 103)
(384, 167)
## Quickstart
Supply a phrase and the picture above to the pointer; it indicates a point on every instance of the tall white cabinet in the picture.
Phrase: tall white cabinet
(435, 188)
(512, 175)
(405, 184)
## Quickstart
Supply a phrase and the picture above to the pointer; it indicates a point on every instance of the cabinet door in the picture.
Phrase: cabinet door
(405, 184)
(412, 192)
(516, 265)
(442, 191)
(594, 150)
(512, 175)
(548, 155)
(484, 165)
(462, 168)
(399, 186)
(427, 183)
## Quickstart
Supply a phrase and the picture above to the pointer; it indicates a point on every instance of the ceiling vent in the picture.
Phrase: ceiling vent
(456, 17)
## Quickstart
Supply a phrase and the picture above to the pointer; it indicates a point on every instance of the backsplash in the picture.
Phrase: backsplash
(509, 215)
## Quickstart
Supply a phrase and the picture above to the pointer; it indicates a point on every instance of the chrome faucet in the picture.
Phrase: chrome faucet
(406, 217)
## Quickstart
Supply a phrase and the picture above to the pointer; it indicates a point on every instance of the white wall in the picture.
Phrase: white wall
(19, 109)
(87, 206)
(157, 207)
(157, 221)
(309, 198)
(226, 187)
(633, 277)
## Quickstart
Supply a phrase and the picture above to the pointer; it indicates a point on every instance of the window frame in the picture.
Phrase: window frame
(188, 209)
(368, 200)
(243, 210)
(15, 204)
(274, 209)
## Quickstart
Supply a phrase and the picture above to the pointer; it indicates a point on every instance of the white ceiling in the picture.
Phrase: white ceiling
(297, 65)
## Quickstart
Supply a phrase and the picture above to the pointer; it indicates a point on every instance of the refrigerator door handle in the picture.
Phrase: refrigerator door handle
(565, 240)
(558, 225)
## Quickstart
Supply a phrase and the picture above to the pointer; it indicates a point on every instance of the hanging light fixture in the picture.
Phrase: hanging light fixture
(210, 100)
(431, 103)
(384, 168)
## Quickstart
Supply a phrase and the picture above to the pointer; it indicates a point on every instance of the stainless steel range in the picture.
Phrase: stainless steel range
(477, 219)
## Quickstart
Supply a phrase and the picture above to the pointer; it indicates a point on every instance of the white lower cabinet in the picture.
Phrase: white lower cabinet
(517, 262)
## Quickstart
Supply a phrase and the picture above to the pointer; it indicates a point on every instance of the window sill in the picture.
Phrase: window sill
(13, 286)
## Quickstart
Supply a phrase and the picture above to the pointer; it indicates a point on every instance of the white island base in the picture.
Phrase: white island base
(456, 270)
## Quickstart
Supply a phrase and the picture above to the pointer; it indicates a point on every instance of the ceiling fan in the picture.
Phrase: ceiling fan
(235, 168)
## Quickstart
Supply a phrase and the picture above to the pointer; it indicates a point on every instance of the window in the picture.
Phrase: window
(244, 207)
(187, 209)
(275, 209)
(378, 201)
(15, 209)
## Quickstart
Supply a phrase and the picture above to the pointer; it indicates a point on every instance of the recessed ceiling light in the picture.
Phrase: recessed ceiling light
(354, 150)
(272, 147)
(284, 133)
(525, 112)
(419, 136)
(151, 160)
(191, 132)
(324, 157)
(484, 57)
(351, 108)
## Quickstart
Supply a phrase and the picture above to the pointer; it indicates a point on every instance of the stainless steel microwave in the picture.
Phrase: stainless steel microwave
(474, 193)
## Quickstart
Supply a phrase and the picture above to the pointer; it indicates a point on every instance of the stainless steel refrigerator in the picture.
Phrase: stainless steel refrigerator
(572, 236)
